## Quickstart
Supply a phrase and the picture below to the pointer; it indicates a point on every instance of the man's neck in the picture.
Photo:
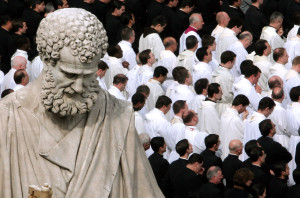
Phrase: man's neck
(256, 4)
(212, 149)
(212, 99)
(185, 156)
(5, 28)
(278, 100)
(257, 163)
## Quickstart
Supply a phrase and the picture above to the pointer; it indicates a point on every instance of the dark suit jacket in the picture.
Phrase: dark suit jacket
(237, 193)
(154, 9)
(293, 191)
(234, 12)
(210, 159)
(6, 50)
(255, 20)
(112, 24)
(169, 14)
(173, 169)
(277, 188)
(274, 150)
(210, 190)
(159, 166)
(100, 9)
(179, 23)
(259, 175)
(187, 183)
(33, 20)
(230, 164)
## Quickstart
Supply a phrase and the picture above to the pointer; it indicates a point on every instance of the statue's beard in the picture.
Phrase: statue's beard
(61, 99)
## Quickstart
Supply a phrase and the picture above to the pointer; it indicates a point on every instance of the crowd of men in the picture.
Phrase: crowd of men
(214, 85)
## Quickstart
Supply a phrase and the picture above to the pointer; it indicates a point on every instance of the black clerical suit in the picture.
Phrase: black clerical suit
(237, 193)
(32, 19)
(159, 166)
(274, 150)
(6, 51)
(210, 159)
(154, 9)
(169, 14)
(293, 191)
(255, 20)
(100, 9)
(112, 24)
(179, 23)
(234, 12)
(277, 188)
(230, 164)
(173, 169)
(210, 190)
(186, 183)
(259, 175)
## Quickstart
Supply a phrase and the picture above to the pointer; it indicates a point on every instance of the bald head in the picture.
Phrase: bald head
(235, 147)
(170, 43)
(222, 19)
(19, 62)
(278, 94)
(275, 81)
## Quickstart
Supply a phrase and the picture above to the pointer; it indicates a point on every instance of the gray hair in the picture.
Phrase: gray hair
(194, 18)
(245, 35)
(75, 28)
(144, 137)
(212, 171)
(275, 16)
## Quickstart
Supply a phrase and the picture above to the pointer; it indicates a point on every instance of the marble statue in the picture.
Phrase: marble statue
(63, 129)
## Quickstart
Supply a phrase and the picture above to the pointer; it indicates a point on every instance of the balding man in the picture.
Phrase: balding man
(278, 116)
(232, 163)
(222, 19)
(19, 62)
(196, 23)
(21, 79)
(168, 59)
(281, 58)
(239, 48)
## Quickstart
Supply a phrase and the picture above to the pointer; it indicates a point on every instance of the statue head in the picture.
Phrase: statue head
(70, 43)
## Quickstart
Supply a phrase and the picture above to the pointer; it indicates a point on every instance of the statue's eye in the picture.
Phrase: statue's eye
(71, 76)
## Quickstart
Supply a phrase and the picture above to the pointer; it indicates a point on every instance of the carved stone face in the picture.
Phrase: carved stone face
(70, 42)
(70, 87)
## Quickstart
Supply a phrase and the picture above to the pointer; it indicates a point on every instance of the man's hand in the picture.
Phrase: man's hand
(280, 31)
(258, 89)
(245, 115)
(125, 64)
(201, 171)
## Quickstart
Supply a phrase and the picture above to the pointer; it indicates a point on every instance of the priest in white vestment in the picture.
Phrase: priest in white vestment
(239, 48)
(247, 86)
(102, 68)
(156, 123)
(119, 85)
(187, 58)
(278, 117)
(182, 90)
(281, 58)
(232, 125)
(179, 108)
(222, 19)
(209, 117)
(292, 47)
(114, 63)
(225, 79)
(155, 86)
(265, 108)
(293, 32)
(228, 36)
(202, 69)
(293, 125)
(260, 59)
(150, 39)
(168, 59)
(138, 101)
(146, 71)
(132, 78)
(192, 134)
(196, 24)
(273, 32)
(292, 78)
(210, 42)
(18, 62)
(201, 93)
(128, 37)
